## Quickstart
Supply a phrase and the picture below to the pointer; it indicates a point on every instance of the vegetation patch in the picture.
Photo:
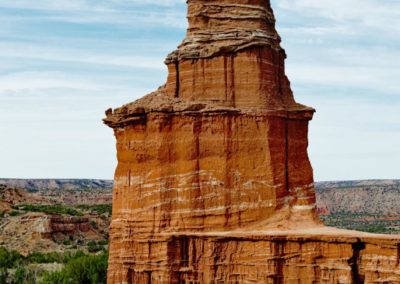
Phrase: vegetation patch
(363, 222)
(78, 267)
(97, 208)
(58, 209)
(49, 209)
(85, 269)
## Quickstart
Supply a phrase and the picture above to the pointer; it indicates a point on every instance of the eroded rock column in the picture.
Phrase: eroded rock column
(218, 152)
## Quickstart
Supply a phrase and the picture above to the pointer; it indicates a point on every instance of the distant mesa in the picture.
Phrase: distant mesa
(54, 184)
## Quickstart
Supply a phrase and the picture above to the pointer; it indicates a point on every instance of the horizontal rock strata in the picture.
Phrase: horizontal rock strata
(213, 183)
(188, 171)
(256, 257)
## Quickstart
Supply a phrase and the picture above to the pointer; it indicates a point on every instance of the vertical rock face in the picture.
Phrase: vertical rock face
(213, 179)
(231, 56)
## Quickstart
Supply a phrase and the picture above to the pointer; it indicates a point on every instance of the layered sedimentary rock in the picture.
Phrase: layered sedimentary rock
(213, 183)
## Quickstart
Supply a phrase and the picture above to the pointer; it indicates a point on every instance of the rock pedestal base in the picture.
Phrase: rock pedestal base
(318, 255)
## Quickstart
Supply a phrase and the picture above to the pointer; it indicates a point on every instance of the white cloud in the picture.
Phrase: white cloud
(60, 54)
(377, 79)
(316, 30)
(28, 81)
(84, 5)
(55, 5)
(342, 43)
(21, 87)
(368, 13)
(108, 12)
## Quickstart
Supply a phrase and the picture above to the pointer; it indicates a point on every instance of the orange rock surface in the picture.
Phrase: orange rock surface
(213, 183)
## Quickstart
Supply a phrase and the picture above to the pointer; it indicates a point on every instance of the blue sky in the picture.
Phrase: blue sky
(63, 62)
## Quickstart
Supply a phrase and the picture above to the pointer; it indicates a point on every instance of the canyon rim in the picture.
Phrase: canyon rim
(213, 183)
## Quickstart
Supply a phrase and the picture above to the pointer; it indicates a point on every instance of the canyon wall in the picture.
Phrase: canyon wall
(213, 183)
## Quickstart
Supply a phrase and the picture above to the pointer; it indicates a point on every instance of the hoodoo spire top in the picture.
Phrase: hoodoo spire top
(217, 27)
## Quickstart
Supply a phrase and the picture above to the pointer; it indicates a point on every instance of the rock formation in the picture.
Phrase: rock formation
(213, 183)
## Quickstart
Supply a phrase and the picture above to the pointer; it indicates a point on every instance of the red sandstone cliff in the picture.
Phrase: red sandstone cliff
(213, 183)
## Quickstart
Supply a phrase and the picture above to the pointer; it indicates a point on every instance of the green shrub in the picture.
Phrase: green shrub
(50, 209)
(14, 213)
(103, 242)
(3, 276)
(51, 257)
(97, 208)
(56, 277)
(79, 267)
(9, 259)
(93, 224)
(24, 276)
(94, 247)
(87, 269)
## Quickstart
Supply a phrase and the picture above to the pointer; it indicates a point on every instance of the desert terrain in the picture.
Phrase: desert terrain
(52, 219)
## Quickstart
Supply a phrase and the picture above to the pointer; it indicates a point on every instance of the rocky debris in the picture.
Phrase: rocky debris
(12, 196)
(27, 231)
(40, 232)
(213, 183)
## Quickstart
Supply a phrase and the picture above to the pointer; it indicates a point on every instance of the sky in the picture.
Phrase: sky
(63, 62)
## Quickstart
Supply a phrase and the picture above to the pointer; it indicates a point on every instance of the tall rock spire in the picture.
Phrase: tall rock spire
(231, 55)
(217, 27)
(229, 121)
(218, 151)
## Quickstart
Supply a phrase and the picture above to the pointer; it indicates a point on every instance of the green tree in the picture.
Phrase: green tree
(87, 269)
(9, 259)
(3, 276)
(20, 276)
